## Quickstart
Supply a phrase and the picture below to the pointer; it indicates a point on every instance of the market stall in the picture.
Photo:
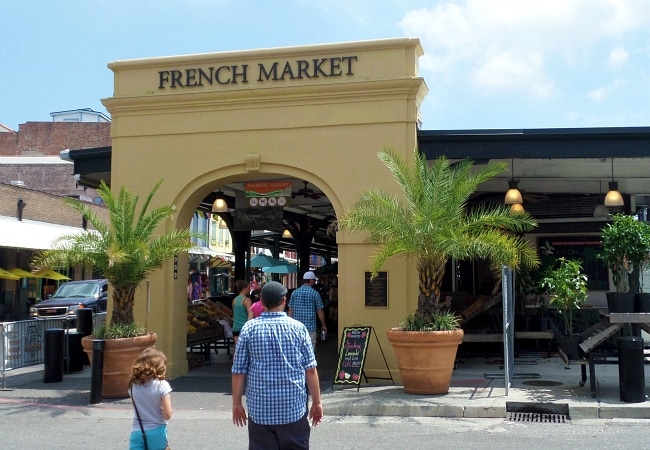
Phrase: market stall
(209, 327)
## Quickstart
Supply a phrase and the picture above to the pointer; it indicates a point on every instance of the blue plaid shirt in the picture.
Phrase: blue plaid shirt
(304, 303)
(274, 351)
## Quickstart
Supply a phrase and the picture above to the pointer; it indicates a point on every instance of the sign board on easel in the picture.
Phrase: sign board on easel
(352, 355)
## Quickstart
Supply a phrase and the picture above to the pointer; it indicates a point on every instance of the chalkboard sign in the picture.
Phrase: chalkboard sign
(352, 354)
(377, 290)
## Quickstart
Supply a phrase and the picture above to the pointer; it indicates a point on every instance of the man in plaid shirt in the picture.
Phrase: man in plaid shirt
(275, 355)
(306, 304)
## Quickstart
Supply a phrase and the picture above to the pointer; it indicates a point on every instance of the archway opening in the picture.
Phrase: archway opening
(296, 232)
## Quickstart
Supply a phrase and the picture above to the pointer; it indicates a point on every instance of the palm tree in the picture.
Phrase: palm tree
(433, 223)
(124, 249)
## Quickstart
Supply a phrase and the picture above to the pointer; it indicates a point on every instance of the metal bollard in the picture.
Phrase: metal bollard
(53, 361)
(97, 371)
(85, 321)
(85, 318)
(75, 360)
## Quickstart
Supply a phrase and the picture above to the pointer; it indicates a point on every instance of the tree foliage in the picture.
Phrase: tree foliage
(431, 221)
(626, 250)
(125, 249)
(567, 286)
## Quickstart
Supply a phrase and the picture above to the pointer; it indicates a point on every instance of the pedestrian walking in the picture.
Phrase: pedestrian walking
(306, 304)
(241, 306)
(276, 362)
(151, 398)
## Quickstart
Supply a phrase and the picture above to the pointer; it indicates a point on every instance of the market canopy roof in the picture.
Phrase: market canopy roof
(30, 234)
(262, 260)
(8, 275)
(285, 267)
(51, 274)
(23, 273)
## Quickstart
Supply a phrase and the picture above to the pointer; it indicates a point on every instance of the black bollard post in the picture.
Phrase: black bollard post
(53, 361)
(85, 328)
(631, 373)
(97, 371)
(85, 321)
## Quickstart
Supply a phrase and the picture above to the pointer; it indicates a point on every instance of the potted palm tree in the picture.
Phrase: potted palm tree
(125, 250)
(567, 286)
(626, 250)
(431, 221)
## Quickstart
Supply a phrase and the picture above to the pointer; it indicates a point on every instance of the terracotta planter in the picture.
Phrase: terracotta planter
(119, 355)
(425, 359)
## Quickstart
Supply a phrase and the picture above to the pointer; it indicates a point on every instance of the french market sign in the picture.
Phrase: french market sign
(264, 72)
(268, 188)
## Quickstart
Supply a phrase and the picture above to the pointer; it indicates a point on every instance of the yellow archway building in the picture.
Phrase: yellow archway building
(318, 113)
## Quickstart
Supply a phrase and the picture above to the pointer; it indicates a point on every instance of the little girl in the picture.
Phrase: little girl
(151, 397)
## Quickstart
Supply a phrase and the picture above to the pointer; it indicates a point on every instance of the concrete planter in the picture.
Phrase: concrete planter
(425, 358)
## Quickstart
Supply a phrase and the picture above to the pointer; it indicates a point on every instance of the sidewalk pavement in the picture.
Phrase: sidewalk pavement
(541, 385)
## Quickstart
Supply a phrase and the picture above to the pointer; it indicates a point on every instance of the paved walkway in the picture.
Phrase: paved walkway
(477, 391)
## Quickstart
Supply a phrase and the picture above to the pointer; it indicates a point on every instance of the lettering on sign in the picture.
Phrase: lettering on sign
(376, 290)
(352, 354)
(583, 248)
(263, 72)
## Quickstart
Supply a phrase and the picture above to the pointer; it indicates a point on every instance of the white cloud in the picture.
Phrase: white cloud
(525, 44)
(617, 57)
(513, 70)
(598, 94)
(603, 92)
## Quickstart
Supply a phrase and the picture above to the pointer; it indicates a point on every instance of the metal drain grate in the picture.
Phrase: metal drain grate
(537, 417)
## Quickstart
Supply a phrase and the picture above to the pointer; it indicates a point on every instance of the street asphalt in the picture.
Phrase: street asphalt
(541, 385)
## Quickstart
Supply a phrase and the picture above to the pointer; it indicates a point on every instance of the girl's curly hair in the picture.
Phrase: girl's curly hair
(152, 363)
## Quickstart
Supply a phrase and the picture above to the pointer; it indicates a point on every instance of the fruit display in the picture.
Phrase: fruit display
(205, 315)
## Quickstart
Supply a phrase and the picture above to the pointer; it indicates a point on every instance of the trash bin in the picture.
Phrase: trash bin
(85, 327)
(53, 358)
(631, 374)
(85, 321)
(75, 359)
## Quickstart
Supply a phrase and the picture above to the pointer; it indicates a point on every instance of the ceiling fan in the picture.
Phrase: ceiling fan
(306, 192)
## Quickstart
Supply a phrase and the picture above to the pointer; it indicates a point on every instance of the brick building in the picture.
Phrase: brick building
(33, 182)
(30, 156)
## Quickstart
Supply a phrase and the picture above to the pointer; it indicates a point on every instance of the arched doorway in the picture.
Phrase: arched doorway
(280, 204)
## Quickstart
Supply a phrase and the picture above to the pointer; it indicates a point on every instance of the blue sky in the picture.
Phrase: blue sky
(487, 63)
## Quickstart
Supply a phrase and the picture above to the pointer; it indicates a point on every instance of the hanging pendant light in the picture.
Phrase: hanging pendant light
(517, 208)
(601, 210)
(513, 196)
(220, 204)
(613, 197)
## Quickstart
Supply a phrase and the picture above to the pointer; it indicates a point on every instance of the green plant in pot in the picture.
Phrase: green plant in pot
(626, 250)
(431, 221)
(567, 286)
(125, 250)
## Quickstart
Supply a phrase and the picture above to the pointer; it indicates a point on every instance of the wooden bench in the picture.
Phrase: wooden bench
(547, 336)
